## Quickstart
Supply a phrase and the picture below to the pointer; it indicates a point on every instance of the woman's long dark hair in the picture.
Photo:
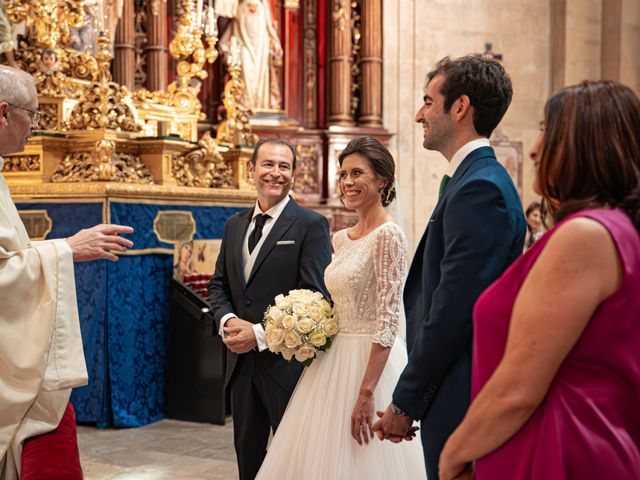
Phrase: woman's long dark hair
(590, 153)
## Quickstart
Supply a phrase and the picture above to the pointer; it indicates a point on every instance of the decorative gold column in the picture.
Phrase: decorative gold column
(340, 60)
(157, 49)
(371, 64)
(124, 60)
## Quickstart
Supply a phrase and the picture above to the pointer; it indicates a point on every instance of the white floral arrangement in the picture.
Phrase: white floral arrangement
(300, 324)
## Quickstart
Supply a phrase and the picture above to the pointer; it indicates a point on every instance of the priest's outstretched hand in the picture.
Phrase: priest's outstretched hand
(99, 241)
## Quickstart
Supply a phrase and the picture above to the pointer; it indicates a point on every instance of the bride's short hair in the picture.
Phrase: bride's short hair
(380, 159)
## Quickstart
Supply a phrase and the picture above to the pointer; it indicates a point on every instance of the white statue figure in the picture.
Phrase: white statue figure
(260, 50)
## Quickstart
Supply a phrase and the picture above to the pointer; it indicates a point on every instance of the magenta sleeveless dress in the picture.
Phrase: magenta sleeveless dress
(588, 426)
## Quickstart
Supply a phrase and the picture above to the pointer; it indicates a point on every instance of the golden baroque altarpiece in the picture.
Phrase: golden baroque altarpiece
(137, 114)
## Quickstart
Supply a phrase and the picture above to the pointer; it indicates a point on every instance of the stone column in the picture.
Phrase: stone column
(124, 55)
(157, 48)
(340, 61)
(558, 44)
(371, 64)
(611, 53)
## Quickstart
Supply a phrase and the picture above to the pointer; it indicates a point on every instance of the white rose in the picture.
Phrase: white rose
(326, 306)
(330, 327)
(317, 339)
(315, 313)
(300, 309)
(287, 353)
(275, 336)
(292, 339)
(288, 322)
(306, 325)
(304, 353)
(276, 314)
(283, 303)
(317, 295)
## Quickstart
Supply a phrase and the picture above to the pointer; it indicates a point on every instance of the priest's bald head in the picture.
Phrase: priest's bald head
(18, 109)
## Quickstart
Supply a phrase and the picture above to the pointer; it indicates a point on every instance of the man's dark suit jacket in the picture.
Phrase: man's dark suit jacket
(279, 268)
(476, 231)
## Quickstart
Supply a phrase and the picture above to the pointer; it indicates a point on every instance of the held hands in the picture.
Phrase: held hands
(394, 427)
(98, 242)
(362, 418)
(239, 336)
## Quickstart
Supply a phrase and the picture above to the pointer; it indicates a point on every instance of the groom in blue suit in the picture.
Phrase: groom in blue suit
(475, 232)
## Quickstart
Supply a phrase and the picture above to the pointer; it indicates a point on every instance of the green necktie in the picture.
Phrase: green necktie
(443, 185)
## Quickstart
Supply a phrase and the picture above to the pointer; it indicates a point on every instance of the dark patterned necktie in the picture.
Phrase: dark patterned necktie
(443, 185)
(256, 234)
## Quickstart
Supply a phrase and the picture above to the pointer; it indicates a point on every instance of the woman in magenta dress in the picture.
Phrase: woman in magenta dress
(556, 370)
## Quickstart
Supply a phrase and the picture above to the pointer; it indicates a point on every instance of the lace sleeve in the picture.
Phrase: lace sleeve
(390, 266)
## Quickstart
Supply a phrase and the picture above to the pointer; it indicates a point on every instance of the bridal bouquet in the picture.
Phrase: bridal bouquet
(300, 324)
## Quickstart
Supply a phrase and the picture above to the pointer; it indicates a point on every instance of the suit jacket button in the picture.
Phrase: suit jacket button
(247, 302)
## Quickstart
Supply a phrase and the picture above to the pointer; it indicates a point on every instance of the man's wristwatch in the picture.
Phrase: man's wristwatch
(396, 410)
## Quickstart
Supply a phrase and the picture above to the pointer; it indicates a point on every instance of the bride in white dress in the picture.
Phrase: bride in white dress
(325, 433)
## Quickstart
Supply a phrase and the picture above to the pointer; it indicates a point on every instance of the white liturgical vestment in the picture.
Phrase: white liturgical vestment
(41, 354)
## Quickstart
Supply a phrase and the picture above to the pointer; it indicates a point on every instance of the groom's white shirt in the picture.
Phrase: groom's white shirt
(465, 150)
(248, 260)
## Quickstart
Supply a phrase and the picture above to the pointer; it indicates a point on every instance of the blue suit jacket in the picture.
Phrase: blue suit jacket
(476, 231)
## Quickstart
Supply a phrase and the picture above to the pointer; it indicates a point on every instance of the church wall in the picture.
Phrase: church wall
(545, 44)
(583, 40)
(417, 34)
(630, 41)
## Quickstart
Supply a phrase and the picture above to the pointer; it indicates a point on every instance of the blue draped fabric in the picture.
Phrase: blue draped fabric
(123, 310)
(137, 338)
(209, 221)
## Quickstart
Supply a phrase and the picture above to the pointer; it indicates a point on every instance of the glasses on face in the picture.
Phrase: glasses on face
(33, 114)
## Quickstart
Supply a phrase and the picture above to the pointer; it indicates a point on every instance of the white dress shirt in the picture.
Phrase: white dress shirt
(249, 259)
(465, 150)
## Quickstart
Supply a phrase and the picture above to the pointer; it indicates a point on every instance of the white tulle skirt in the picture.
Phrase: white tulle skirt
(314, 441)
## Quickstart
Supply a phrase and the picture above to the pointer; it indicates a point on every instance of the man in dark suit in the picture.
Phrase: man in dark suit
(268, 250)
(476, 231)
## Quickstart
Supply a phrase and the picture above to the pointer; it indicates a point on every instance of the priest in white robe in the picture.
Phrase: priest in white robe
(41, 356)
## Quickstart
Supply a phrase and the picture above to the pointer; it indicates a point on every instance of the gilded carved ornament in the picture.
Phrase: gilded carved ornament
(194, 23)
(235, 130)
(203, 166)
(103, 164)
(307, 170)
(21, 163)
(104, 104)
(47, 21)
(47, 25)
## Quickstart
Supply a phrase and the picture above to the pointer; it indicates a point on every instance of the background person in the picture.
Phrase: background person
(535, 227)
